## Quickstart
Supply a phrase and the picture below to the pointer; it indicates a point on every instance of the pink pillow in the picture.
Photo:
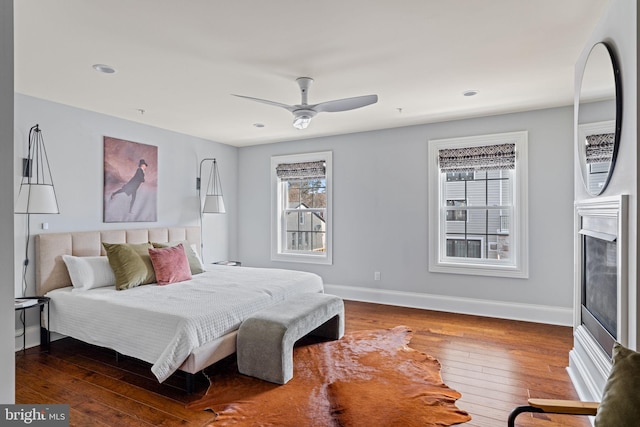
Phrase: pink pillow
(170, 264)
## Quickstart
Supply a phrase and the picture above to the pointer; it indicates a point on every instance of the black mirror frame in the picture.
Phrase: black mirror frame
(618, 119)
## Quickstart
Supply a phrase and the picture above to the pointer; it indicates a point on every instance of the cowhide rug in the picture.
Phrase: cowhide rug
(368, 378)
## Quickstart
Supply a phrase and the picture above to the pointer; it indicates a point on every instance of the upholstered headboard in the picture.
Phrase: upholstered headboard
(51, 272)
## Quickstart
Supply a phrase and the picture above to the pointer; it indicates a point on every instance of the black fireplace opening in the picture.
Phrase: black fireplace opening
(600, 288)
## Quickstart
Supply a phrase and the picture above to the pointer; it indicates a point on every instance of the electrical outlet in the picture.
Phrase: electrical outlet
(376, 275)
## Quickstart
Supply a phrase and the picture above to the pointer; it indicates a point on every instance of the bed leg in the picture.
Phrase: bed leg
(190, 382)
(45, 340)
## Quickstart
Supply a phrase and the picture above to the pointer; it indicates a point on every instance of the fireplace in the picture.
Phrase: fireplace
(599, 299)
(601, 289)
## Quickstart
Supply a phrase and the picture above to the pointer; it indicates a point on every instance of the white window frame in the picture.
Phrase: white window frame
(278, 204)
(519, 229)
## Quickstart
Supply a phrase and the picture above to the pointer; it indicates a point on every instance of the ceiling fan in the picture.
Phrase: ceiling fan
(304, 112)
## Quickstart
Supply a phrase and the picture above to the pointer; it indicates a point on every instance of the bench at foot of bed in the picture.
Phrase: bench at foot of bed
(266, 339)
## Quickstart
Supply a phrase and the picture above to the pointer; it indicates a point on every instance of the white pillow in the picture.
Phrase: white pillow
(89, 272)
(194, 248)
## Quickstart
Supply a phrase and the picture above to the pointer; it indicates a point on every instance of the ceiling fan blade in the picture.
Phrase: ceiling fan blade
(266, 101)
(345, 104)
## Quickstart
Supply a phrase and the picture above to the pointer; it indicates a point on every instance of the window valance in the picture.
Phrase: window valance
(479, 158)
(600, 148)
(303, 170)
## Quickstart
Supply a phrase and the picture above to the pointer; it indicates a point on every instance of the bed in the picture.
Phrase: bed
(184, 326)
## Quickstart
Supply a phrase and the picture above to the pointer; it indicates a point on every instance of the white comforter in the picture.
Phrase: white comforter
(162, 325)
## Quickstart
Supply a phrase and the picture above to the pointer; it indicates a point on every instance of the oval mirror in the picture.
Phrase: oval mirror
(598, 119)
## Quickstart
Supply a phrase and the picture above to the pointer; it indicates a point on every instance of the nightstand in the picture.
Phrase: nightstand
(45, 335)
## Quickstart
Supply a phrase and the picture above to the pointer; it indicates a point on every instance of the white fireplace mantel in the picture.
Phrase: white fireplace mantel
(589, 364)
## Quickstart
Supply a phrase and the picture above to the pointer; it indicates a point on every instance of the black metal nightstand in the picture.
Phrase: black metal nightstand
(45, 335)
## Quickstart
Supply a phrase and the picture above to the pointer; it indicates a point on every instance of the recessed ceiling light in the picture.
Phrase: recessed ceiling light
(106, 69)
(258, 125)
(471, 92)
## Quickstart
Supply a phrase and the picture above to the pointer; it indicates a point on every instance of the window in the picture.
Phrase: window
(301, 201)
(478, 205)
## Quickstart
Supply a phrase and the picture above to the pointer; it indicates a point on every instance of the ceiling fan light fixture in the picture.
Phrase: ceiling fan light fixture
(302, 118)
(301, 122)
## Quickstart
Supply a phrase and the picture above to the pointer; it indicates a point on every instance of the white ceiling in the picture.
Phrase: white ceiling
(180, 61)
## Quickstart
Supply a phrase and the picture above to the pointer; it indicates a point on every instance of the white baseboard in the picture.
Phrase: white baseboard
(504, 310)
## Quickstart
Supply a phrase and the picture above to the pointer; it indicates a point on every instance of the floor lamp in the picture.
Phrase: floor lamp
(213, 199)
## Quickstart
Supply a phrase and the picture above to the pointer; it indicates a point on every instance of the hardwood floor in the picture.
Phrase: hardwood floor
(495, 364)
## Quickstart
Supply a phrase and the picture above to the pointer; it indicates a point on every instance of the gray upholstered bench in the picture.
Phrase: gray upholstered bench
(266, 339)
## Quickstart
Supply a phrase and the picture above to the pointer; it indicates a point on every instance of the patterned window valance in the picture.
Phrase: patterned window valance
(600, 148)
(304, 170)
(486, 157)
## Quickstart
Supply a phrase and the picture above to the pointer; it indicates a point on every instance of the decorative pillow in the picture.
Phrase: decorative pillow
(130, 263)
(195, 265)
(89, 272)
(620, 405)
(197, 257)
(170, 264)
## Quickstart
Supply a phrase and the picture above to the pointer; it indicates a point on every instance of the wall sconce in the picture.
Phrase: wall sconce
(37, 194)
(213, 200)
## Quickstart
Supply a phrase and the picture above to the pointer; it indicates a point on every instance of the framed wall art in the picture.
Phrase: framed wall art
(130, 181)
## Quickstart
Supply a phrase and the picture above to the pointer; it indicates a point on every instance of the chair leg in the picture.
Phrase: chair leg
(519, 410)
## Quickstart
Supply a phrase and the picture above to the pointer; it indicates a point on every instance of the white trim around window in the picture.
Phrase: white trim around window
(518, 265)
(279, 208)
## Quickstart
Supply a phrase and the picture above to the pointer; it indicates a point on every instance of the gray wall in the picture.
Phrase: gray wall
(7, 367)
(619, 27)
(74, 142)
(381, 224)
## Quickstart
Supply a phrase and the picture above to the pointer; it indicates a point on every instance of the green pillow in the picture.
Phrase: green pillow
(130, 263)
(195, 265)
(620, 405)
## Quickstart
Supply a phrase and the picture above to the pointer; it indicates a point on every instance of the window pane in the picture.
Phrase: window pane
(464, 248)
(310, 193)
(455, 227)
(485, 234)
(459, 176)
(456, 215)
(494, 174)
(498, 221)
(477, 193)
(477, 221)
(454, 190)
(486, 188)
(305, 231)
(308, 241)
